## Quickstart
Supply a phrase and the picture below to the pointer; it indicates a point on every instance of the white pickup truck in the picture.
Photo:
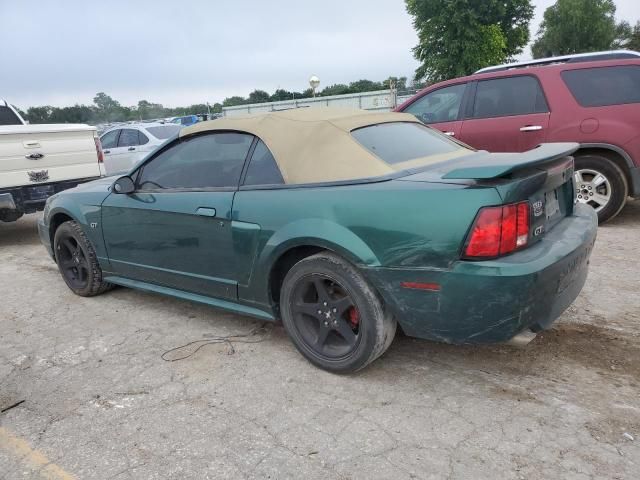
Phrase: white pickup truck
(37, 161)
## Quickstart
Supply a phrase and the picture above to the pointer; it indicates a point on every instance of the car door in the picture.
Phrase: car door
(507, 114)
(109, 142)
(441, 108)
(174, 230)
(124, 155)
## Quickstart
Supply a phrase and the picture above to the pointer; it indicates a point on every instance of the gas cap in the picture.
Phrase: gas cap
(589, 125)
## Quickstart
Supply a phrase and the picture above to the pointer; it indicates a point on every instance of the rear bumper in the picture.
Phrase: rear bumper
(31, 198)
(492, 301)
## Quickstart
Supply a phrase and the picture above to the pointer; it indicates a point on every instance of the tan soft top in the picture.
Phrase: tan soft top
(313, 144)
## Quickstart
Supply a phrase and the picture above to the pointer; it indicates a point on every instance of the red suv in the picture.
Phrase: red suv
(592, 99)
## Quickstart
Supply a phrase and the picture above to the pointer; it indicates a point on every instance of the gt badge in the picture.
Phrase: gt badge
(537, 208)
(538, 231)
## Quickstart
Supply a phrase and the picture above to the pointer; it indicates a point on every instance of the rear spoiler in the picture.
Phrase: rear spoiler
(500, 164)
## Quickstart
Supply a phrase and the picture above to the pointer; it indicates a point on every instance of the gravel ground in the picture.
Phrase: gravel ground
(100, 403)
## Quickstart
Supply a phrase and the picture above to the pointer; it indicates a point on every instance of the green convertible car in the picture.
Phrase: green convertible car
(342, 224)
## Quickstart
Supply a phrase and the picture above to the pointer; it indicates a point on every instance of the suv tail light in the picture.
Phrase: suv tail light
(99, 150)
(498, 231)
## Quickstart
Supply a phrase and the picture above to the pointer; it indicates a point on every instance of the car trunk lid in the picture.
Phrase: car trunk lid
(542, 176)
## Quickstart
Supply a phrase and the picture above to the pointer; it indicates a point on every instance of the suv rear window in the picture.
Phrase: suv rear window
(503, 97)
(7, 117)
(598, 87)
(402, 141)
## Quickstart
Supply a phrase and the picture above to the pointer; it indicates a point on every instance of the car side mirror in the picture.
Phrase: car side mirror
(124, 185)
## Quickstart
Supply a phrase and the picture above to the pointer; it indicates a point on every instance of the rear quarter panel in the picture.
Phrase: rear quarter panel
(390, 224)
(616, 125)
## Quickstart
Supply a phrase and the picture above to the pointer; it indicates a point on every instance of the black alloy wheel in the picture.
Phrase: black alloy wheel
(77, 261)
(333, 316)
(72, 261)
(325, 316)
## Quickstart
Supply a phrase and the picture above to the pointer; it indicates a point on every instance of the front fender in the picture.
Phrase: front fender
(87, 216)
(314, 232)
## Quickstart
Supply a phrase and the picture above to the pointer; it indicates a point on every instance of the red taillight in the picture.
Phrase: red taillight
(498, 231)
(99, 150)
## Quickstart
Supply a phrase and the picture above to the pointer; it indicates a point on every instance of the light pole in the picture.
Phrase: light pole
(314, 81)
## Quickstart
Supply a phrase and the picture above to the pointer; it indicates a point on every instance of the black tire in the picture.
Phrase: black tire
(77, 261)
(616, 182)
(352, 304)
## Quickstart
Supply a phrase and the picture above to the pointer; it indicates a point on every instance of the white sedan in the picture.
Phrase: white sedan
(125, 145)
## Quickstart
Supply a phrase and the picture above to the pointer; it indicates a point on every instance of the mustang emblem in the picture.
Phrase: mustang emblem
(537, 208)
(41, 176)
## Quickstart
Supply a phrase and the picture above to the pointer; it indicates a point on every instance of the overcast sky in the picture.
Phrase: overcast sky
(183, 52)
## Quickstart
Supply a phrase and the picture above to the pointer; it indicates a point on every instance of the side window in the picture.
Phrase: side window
(263, 169)
(597, 87)
(128, 138)
(441, 105)
(503, 97)
(110, 139)
(142, 138)
(204, 161)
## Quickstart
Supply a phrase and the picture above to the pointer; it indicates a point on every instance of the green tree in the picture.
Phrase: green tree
(577, 26)
(400, 83)
(458, 37)
(365, 86)
(233, 101)
(631, 38)
(258, 96)
(336, 89)
(39, 114)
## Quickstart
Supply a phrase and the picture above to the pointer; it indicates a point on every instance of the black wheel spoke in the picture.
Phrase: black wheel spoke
(69, 246)
(321, 289)
(82, 273)
(67, 264)
(342, 305)
(321, 339)
(345, 331)
(310, 309)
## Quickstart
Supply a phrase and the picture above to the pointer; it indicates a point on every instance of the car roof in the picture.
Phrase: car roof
(312, 145)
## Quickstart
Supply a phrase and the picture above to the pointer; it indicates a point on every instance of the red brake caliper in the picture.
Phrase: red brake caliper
(354, 317)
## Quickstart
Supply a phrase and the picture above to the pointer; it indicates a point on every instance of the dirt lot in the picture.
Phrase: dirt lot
(100, 403)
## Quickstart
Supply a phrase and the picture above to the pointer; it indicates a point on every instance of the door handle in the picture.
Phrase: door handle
(107, 151)
(531, 128)
(206, 212)
(131, 149)
(450, 134)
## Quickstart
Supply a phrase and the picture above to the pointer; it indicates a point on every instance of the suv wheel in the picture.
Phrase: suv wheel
(601, 184)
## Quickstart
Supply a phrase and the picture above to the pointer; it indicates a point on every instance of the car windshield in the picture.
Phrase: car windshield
(400, 142)
(163, 132)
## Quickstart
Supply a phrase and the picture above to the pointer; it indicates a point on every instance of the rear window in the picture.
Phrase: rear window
(400, 142)
(504, 97)
(7, 117)
(598, 87)
(164, 131)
